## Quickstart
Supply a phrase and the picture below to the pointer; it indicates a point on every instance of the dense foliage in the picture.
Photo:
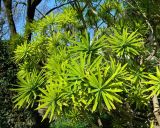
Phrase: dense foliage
(70, 73)
(92, 64)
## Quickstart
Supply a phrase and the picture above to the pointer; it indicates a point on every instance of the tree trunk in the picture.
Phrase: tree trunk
(38, 118)
(31, 8)
(156, 108)
(8, 7)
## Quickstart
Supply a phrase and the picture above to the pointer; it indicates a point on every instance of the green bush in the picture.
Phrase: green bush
(68, 123)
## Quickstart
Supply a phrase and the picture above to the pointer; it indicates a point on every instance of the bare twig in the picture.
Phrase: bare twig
(54, 8)
(40, 12)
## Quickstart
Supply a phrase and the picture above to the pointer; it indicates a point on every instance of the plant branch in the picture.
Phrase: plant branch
(40, 12)
(99, 122)
(57, 7)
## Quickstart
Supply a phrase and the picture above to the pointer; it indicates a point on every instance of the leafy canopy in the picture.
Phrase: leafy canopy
(66, 70)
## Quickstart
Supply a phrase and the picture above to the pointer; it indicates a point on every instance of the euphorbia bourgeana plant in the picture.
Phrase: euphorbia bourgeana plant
(66, 70)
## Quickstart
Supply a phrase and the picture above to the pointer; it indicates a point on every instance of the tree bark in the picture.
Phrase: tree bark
(38, 120)
(8, 8)
(31, 8)
(156, 109)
